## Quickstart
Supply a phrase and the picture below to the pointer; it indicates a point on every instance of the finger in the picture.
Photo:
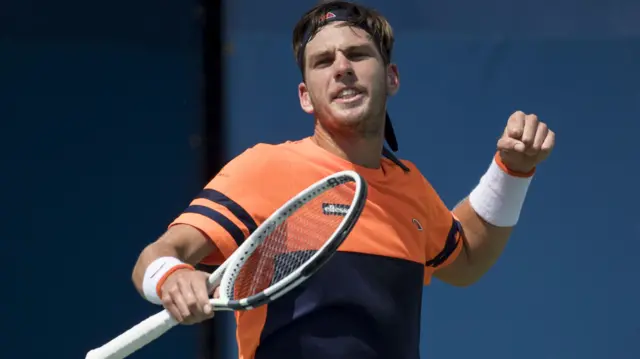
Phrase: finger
(205, 280)
(170, 306)
(216, 292)
(190, 299)
(530, 129)
(202, 296)
(549, 142)
(181, 304)
(510, 144)
(541, 135)
(515, 125)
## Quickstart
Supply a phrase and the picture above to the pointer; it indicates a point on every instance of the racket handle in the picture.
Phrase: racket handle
(135, 338)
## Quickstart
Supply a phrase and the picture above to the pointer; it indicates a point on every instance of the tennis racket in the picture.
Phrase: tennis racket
(283, 252)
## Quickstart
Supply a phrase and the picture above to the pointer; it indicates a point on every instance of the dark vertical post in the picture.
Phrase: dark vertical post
(213, 129)
(214, 99)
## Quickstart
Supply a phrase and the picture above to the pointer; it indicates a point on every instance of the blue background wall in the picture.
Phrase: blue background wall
(100, 113)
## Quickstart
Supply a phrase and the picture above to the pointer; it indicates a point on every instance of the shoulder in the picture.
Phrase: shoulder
(260, 178)
(434, 209)
(261, 162)
(262, 157)
(413, 169)
(418, 180)
(414, 173)
(274, 150)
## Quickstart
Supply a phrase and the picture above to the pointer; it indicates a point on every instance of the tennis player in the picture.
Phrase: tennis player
(365, 303)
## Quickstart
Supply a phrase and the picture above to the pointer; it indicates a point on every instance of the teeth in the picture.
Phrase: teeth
(347, 93)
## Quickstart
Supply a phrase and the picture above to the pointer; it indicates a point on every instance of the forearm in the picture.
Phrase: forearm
(487, 218)
(182, 242)
(152, 252)
(483, 242)
(492, 209)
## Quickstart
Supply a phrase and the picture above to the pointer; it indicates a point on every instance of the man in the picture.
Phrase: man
(365, 303)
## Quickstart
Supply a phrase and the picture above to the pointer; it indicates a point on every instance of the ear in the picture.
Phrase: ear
(393, 79)
(305, 100)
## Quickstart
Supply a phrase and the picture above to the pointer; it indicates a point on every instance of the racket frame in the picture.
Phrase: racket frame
(322, 255)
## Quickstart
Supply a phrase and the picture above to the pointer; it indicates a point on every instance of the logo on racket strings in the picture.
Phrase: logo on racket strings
(335, 209)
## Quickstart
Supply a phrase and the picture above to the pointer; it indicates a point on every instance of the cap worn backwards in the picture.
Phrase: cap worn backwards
(342, 14)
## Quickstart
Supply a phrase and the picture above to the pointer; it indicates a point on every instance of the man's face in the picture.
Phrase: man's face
(347, 82)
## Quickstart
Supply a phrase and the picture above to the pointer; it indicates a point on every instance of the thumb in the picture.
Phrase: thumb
(510, 144)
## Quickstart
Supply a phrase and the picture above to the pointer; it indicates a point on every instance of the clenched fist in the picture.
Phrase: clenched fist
(525, 143)
(184, 294)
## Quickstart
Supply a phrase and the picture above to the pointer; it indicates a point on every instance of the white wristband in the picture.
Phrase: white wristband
(499, 197)
(156, 273)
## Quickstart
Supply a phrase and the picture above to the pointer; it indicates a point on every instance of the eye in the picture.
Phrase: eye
(358, 55)
(322, 62)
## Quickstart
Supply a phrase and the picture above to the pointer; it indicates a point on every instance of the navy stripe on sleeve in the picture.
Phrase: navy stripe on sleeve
(225, 222)
(232, 206)
(450, 246)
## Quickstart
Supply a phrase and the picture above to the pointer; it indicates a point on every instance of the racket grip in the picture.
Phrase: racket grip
(135, 338)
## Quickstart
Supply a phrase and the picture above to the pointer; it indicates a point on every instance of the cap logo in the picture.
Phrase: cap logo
(329, 15)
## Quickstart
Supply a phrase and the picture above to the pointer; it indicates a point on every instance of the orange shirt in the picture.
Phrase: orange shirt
(366, 301)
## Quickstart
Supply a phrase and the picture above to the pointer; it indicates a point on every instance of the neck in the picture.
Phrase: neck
(361, 150)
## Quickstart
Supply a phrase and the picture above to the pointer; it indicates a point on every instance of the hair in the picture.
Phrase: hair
(369, 19)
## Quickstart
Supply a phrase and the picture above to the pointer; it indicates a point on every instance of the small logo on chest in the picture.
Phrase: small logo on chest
(335, 209)
(417, 224)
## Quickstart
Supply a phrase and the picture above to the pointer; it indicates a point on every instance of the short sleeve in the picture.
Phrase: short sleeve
(234, 203)
(445, 235)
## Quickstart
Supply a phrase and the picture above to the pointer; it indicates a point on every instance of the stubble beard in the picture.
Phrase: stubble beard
(367, 124)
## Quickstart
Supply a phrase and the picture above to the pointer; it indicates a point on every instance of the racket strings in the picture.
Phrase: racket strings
(293, 242)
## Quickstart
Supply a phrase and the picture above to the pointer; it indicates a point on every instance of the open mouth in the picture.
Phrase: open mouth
(348, 95)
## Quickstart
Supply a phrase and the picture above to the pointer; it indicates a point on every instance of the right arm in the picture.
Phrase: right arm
(184, 292)
(216, 222)
(180, 241)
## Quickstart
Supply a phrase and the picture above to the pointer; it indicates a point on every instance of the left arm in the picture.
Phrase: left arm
(482, 243)
(488, 215)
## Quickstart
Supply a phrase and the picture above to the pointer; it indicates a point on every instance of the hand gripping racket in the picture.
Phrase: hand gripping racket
(284, 251)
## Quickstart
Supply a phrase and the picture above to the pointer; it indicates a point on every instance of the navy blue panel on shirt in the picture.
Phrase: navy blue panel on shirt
(357, 306)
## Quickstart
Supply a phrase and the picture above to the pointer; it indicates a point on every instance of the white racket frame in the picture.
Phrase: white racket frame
(156, 325)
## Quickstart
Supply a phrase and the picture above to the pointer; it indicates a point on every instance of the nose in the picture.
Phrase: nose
(343, 66)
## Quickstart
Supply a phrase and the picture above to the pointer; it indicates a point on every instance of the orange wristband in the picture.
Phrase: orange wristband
(157, 273)
(168, 273)
(513, 173)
